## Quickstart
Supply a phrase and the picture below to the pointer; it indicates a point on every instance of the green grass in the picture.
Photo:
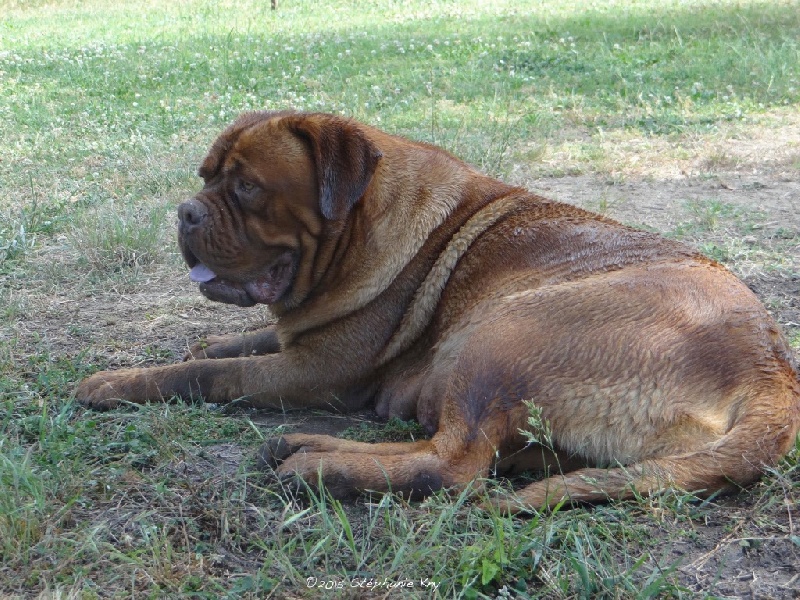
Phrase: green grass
(107, 108)
(87, 83)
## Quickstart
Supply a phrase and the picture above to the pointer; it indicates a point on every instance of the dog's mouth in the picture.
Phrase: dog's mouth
(266, 288)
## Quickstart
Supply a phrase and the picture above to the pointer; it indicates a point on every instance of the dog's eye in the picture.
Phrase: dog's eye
(247, 194)
(244, 191)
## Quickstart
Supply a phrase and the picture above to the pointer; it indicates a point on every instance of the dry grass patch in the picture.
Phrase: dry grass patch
(770, 145)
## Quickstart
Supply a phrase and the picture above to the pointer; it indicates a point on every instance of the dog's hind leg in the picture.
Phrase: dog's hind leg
(413, 469)
(763, 434)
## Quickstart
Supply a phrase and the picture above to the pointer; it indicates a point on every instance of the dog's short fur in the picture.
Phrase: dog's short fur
(404, 279)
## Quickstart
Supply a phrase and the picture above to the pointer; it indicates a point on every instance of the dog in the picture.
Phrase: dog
(403, 279)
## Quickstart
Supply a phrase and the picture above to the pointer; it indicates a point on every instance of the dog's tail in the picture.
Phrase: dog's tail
(766, 430)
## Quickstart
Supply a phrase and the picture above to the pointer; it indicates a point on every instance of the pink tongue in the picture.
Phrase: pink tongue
(201, 273)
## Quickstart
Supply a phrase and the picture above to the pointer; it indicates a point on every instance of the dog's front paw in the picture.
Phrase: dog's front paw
(109, 389)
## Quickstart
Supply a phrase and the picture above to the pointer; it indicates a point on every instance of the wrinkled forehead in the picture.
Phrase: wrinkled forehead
(235, 140)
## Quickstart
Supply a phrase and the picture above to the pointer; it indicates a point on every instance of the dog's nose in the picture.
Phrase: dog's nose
(191, 215)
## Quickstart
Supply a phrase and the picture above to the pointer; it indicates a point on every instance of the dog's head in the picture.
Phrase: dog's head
(276, 185)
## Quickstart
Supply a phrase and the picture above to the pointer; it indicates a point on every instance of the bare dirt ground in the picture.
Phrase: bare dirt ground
(742, 548)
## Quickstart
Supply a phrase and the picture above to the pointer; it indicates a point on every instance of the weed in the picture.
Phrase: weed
(394, 430)
(708, 213)
(19, 232)
(539, 431)
(117, 238)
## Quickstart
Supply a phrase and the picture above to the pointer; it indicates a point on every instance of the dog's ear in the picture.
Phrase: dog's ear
(345, 160)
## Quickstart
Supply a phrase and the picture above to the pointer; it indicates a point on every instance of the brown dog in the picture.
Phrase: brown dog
(404, 279)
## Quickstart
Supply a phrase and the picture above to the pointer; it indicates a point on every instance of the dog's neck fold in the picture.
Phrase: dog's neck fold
(421, 310)
(413, 193)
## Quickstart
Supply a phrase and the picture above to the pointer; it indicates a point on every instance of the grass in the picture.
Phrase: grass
(107, 108)
(114, 238)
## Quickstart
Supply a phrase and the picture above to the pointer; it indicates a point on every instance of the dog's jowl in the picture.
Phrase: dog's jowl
(403, 279)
